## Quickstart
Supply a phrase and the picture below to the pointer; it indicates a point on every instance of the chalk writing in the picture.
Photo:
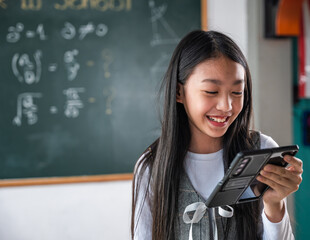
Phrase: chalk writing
(31, 4)
(53, 110)
(73, 103)
(101, 30)
(100, 5)
(86, 29)
(14, 34)
(52, 67)
(39, 31)
(27, 108)
(3, 4)
(110, 95)
(108, 59)
(69, 31)
(157, 17)
(71, 64)
(26, 70)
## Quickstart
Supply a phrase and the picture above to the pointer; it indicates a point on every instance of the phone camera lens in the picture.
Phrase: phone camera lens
(245, 160)
(238, 171)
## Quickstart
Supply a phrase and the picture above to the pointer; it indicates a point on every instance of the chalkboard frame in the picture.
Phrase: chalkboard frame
(87, 178)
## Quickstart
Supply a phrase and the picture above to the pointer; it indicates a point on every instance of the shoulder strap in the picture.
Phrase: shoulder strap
(255, 136)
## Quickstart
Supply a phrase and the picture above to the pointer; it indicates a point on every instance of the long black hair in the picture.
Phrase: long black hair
(164, 160)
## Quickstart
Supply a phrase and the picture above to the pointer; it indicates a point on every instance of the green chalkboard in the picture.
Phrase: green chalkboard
(79, 80)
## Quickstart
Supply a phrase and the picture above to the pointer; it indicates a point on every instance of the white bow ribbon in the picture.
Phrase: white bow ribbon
(199, 209)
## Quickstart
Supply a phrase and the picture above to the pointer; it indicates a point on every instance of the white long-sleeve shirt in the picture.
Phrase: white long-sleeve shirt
(202, 169)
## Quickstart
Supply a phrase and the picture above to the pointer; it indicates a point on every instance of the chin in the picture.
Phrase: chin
(216, 134)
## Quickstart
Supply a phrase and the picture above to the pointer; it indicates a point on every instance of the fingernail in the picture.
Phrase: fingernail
(288, 157)
(267, 168)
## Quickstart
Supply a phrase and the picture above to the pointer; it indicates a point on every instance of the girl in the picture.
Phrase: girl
(206, 118)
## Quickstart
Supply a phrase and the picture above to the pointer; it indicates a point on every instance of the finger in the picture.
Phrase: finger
(275, 169)
(293, 170)
(292, 176)
(288, 180)
(295, 162)
(288, 172)
(275, 186)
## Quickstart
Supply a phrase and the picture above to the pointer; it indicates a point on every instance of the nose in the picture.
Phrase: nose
(224, 103)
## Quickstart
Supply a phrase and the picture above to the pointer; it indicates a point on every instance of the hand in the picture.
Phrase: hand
(282, 182)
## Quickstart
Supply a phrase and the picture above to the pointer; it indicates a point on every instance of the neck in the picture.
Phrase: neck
(205, 144)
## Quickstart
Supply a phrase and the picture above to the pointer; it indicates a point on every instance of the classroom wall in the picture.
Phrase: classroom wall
(270, 61)
(102, 210)
(82, 211)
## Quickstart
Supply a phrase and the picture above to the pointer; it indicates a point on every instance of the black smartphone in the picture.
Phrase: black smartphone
(239, 184)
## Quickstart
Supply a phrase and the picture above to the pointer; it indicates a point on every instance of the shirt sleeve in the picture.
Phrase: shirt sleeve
(277, 231)
(267, 142)
(281, 230)
(143, 216)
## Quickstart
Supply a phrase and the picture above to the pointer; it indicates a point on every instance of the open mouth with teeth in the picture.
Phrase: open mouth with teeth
(218, 119)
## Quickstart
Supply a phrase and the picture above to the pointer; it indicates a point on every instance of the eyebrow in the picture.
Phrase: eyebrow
(218, 82)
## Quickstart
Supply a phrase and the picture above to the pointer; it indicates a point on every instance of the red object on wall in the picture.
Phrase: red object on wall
(288, 17)
(304, 52)
(282, 18)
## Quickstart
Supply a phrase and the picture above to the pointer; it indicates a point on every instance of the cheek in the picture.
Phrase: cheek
(197, 106)
(238, 105)
(203, 104)
(207, 106)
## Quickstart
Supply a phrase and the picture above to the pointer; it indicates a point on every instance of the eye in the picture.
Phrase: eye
(238, 93)
(211, 92)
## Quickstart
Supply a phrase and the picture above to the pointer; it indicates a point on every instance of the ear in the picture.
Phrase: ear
(179, 93)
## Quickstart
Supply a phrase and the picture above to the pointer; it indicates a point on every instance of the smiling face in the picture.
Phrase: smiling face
(213, 98)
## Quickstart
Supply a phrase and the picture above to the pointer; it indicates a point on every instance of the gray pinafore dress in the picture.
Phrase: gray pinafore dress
(187, 196)
(201, 230)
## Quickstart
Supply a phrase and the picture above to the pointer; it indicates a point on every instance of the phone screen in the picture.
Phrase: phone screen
(255, 190)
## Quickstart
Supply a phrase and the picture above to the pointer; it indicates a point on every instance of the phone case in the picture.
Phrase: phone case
(239, 184)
